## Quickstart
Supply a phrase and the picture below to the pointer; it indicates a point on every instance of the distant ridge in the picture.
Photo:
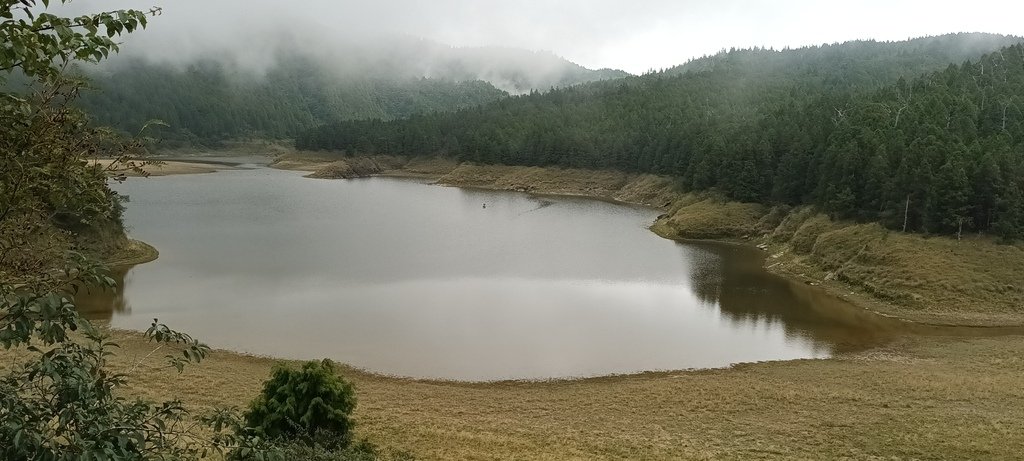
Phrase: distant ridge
(215, 98)
(923, 135)
(904, 57)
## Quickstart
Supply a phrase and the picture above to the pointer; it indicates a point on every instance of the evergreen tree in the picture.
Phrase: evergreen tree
(917, 140)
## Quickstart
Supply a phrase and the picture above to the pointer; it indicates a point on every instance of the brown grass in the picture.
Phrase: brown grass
(710, 218)
(647, 190)
(131, 253)
(600, 183)
(357, 167)
(301, 161)
(936, 279)
(976, 281)
(429, 166)
(337, 166)
(923, 398)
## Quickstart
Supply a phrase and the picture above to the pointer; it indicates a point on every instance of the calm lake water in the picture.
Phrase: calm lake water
(404, 278)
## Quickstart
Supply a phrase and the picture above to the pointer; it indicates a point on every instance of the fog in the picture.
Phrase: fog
(635, 36)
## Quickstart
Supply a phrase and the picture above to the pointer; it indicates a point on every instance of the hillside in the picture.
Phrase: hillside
(212, 99)
(208, 101)
(851, 129)
(859, 62)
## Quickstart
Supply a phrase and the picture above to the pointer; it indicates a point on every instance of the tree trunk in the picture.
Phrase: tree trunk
(906, 213)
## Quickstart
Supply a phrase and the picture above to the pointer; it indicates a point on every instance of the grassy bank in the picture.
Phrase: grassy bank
(131, 253)
(648, 190)
(976, 281)
(933, 279)
(923, 398)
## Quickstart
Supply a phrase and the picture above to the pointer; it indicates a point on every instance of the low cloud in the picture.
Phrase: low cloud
(630, 35)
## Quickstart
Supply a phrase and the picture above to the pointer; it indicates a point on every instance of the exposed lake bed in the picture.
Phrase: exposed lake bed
(893, 399)
(402, 278)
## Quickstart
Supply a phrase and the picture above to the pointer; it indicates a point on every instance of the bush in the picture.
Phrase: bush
(358, 451)
(312, 404)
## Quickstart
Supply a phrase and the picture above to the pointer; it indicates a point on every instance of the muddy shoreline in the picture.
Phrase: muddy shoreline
(729, 222)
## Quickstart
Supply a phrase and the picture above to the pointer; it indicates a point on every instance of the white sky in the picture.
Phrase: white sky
(631, 35)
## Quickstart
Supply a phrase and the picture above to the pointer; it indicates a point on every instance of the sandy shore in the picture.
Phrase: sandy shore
(167, 168)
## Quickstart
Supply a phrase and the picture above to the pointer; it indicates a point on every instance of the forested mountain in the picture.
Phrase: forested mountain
(858, 63)
(216, 98)
(938, 151)
(210, 101)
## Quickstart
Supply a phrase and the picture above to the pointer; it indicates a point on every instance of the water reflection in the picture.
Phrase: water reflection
(101, 304)
(732, 278)
(415, 280)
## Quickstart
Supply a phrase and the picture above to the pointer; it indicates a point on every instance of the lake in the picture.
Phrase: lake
(404, 278)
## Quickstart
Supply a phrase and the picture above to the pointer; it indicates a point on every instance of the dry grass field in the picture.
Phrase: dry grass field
(920, 398)
(695, 217)
(975, 281)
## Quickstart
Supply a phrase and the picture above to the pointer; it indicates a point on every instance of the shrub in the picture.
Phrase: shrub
(357, 451)
(309, 404)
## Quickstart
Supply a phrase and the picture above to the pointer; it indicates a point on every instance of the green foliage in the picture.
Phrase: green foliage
(361, 451)
(49, 195)
(59, 399)
(309, 404)
(62, 402)
(33, 42)
(854, 128)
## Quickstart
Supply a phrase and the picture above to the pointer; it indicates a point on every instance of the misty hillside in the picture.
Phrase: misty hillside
(209, 101)
(514, 70)
(826, 132)
(212, 99)
(859, 63)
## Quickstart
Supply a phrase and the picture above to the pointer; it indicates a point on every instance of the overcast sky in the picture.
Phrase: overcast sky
(635, 35)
